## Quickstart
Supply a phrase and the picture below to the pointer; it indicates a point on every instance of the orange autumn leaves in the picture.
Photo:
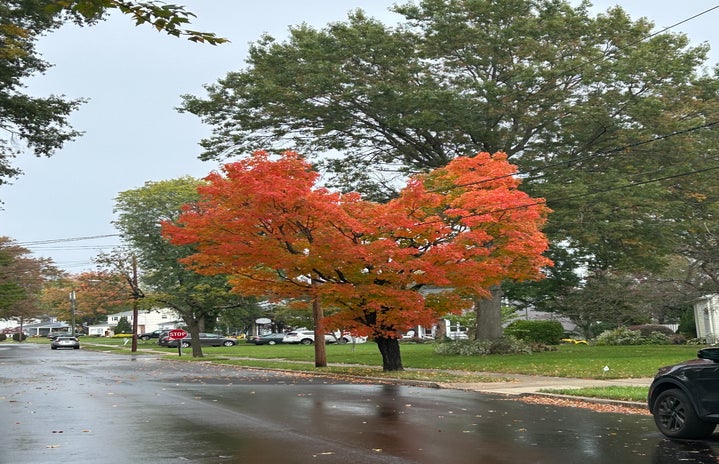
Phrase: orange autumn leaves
(460, 229)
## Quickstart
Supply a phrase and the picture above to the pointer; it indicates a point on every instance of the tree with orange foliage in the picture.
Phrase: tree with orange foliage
(459, 229)
(96, 295)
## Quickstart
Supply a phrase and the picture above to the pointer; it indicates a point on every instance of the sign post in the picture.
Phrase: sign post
(178, 334)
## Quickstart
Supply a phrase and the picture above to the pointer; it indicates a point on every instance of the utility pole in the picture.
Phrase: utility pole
(136, 295)
(72, 311)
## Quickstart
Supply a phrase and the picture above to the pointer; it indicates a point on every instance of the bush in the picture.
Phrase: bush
(504, 345)
(548, 332)
(3, 337)
(647, 329)
(16, 336)
(627, 336)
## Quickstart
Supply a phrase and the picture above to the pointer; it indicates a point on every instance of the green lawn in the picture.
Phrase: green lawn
(567, 361)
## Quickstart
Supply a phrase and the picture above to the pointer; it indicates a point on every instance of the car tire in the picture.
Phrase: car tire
(271, 342)
(144, 338)
(185, 344)
(53, 347)
(228, 343)
(306, 341)
(675, 416)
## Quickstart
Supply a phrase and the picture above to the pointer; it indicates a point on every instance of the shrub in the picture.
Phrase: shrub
(16, 336)
(647, 329)
(657, 338)
(548, 332)
(678, 339)
(627, 336)
(3, 337)
(504, 345)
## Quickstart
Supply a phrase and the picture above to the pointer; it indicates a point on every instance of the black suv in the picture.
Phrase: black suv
(684, 398)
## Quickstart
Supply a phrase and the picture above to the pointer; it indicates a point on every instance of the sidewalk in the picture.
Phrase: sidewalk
(526, 384)
(520, 385)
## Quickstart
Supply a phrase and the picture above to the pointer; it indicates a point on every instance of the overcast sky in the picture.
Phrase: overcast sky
(134, 77)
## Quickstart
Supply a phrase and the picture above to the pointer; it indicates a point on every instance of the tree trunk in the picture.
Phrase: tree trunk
(391, 357)
(194, 326)
(320, 348)
(489, 315)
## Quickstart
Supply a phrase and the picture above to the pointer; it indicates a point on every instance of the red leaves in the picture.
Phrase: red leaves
(464, 227)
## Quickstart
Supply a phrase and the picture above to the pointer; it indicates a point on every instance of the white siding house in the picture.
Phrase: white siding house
(147, 321)
(706, 317)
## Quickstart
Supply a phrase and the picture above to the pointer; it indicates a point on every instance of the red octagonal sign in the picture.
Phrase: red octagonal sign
(177, 334)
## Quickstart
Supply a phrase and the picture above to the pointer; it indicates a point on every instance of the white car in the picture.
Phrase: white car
(346, 337)
(307, 337)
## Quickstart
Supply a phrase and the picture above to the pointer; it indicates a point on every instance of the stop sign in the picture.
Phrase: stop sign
(177, 334)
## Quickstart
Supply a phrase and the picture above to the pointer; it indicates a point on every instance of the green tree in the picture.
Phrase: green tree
(40, 124)
(123, 326)
(165, 17)
(197, 299)
(594, 110)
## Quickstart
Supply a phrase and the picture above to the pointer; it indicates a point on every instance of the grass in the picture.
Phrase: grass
(638, 394)
(422, 363)
(579, 361)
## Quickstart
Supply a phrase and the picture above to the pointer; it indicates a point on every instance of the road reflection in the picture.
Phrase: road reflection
(687, 451)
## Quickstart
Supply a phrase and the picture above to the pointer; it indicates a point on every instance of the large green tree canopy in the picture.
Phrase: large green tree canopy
(612, 123)
(39, 124)
(198, 299)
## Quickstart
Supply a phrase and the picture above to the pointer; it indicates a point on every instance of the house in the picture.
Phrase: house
(706, 317)
(147, 321)
(43, 329)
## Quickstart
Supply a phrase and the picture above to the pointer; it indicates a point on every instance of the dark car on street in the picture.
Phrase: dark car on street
(206, 339)
(267, 339)
(684, 397)
(65, 341)
(154, 334)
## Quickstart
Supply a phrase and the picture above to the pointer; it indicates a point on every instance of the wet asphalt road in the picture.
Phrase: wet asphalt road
(83, 406)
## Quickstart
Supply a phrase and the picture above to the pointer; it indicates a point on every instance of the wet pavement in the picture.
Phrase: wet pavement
(525, 384)
(105, 408)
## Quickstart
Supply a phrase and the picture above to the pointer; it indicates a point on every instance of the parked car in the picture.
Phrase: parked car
(346, 337)
(267, 339)
(65, 341)
(153, 334)
(684, 397)
(305, 337)
(206, 339)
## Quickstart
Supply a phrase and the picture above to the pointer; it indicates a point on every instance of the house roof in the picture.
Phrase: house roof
(46, 325)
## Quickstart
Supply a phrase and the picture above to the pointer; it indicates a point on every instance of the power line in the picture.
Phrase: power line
(65, 240)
